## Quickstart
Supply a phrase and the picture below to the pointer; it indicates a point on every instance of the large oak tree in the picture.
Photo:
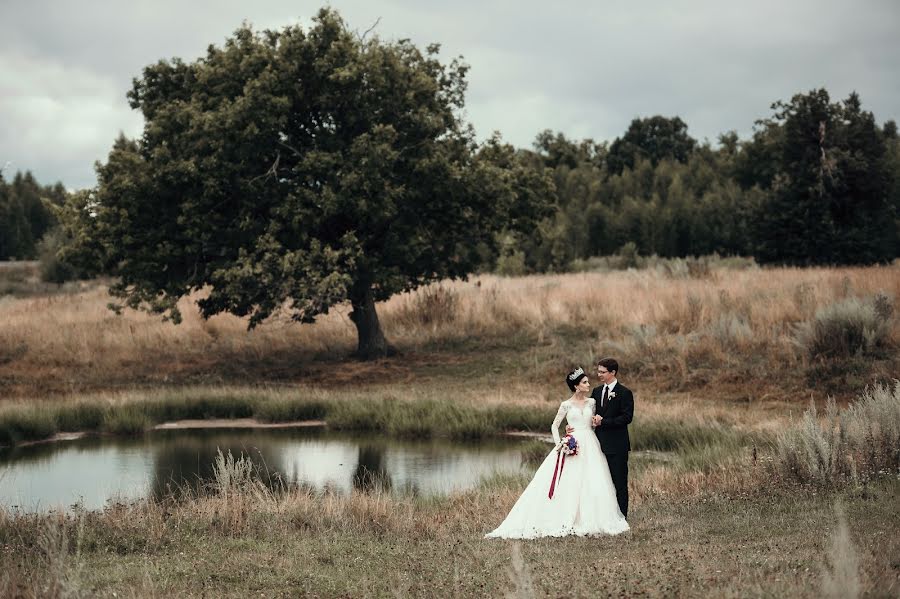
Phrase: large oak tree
(298, 169)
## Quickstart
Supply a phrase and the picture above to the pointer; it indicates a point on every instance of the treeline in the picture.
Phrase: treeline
(26, 215)
(818, 183)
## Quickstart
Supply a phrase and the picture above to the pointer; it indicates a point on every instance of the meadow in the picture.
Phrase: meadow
(745, 333)
(768, 394)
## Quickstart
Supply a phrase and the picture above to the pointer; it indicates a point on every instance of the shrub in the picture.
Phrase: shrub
(628, 256)
(511, 264)
(847, 446)
(812, 452)
(52, 268)
(232, 475)
(845, 328)
(731, 331)
(873, 426)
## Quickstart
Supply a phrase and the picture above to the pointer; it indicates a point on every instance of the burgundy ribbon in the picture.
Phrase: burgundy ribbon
(560, 464)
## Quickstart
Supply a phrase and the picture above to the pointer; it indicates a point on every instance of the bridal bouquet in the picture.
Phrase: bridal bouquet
(569, 445)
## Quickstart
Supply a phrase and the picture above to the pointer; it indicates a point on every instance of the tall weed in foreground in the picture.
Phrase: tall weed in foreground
(239, 490)
(237, 476)
(848, 445)
(54, 544)
(841, 580)
(49, 547)
(519, 574)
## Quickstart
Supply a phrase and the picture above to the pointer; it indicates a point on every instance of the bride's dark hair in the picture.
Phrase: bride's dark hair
(574, 377)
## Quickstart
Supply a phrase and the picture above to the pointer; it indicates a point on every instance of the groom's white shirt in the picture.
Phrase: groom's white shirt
(611, 385)
(609, 390)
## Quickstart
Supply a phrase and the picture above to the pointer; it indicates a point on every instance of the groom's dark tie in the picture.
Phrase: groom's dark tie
(603, 399)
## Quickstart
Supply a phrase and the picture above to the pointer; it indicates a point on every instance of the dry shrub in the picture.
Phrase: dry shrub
(850, 445)
(846, 328)
(731, 332)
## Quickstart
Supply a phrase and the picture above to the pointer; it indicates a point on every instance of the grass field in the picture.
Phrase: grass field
(724, 363)
(246, 543)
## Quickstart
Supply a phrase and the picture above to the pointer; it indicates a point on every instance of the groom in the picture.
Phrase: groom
(615, 410)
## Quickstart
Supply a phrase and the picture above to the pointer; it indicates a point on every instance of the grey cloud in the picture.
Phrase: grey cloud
(585, 68)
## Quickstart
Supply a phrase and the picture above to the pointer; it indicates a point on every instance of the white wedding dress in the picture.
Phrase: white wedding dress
(584, 499)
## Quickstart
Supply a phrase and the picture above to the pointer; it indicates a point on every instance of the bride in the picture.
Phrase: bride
(583, 498)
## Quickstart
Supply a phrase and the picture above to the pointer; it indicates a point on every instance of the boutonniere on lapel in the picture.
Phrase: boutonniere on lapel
(612, 395)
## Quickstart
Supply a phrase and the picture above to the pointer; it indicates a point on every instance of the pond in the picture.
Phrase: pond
(91, 472)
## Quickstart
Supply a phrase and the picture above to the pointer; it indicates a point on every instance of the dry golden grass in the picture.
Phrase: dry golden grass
(732, 325)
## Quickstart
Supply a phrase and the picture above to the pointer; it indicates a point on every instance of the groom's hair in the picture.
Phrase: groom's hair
(610, 364)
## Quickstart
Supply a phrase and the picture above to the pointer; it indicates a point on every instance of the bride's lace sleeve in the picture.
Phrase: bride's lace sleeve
(560, 414)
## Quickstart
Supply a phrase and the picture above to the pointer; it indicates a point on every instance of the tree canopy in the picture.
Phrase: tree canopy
(826, 167)
(296, 170)
(655, 139)
(26, 214)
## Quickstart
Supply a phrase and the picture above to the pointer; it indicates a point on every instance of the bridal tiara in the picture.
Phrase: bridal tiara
(576, 374)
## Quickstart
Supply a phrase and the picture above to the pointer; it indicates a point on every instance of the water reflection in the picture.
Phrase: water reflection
(371, 472)
(93, 472)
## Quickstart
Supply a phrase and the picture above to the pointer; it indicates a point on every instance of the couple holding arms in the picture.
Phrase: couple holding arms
(588, 487)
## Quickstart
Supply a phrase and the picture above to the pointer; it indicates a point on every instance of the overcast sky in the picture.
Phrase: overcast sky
(584, 68)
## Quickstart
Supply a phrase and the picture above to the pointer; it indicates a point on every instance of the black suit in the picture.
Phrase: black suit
(612, 433)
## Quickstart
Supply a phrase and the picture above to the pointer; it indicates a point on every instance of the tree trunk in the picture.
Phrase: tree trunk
(372, 344)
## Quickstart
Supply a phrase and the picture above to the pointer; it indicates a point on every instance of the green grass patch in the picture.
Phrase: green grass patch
(287, 409)
(699, 445)
(130, 420)
(26, 423)
(82, 415)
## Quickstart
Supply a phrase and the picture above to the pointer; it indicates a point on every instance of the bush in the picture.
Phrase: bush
(511, 264)
(846, 328)
(52, 268)
(628, 256)
(851, 445)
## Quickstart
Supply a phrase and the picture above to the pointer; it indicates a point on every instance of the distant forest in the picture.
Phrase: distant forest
(818, 183)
